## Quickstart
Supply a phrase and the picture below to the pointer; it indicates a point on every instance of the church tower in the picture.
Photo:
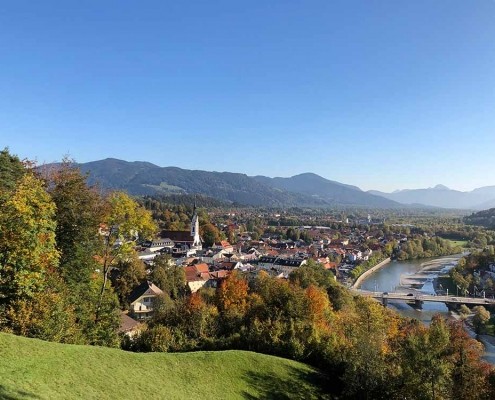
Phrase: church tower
(195, 230)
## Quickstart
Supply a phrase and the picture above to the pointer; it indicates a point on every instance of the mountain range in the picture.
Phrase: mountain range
(303, 190)
(441, 196)
(308, 190)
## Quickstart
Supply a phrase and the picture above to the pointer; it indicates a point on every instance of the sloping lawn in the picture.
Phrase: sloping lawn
(34, 369)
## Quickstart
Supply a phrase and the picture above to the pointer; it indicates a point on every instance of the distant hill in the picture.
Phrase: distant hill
(33, 369)
(307, 190)
(484, 218)
(141, 178)
(442, 196)
(191, 200)
(337, 193)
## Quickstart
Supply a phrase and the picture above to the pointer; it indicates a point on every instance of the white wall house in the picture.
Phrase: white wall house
(142, 299)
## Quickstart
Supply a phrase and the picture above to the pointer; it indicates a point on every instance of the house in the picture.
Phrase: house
(267, 262)
(147, 254)
(329, 265)
(367, 254)
(216, 277)
(251, 255)
(141, 300)
(223, 245)
(158, 244)
(286, 265)
(229, 265)
(128, 326)
(196, 276)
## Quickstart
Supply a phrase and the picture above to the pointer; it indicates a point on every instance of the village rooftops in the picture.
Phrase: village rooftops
(127, 324)
(177, 236)
(289, 262)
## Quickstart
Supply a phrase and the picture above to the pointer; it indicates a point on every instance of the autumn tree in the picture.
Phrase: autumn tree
(312, 273)
(27, 239)
(366, 359)
(200, 318)
(426, 369)
(126, 275)
(469, 374)
(33, 301)
(80, 210)
(79, 213)
(209, 233)
(168, 276)
(11, 170)
(125, 224)
(232, 294)
(480, 318)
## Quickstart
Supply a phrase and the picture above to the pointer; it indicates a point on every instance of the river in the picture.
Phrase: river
(417, 276)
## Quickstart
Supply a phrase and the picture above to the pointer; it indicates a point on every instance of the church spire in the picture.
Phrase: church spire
(195, 228)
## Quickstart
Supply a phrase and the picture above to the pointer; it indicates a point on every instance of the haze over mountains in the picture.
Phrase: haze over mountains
(307, 189)
(441, 196)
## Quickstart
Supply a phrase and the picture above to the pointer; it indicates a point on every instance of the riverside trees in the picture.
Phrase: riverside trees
(366, 350)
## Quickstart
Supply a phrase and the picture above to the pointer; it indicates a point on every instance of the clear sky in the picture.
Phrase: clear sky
(382, 94)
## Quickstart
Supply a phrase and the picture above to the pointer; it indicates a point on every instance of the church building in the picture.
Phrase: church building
(185, 242)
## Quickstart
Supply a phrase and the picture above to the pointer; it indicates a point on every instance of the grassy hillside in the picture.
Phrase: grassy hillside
(33, 369)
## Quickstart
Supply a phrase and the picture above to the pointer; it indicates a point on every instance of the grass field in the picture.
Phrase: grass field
(461, 243)
(33, 369)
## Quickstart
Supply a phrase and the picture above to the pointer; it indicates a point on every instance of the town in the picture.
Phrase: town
(346, 248)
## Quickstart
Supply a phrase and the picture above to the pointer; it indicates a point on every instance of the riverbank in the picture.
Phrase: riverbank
(429, 272)
(369, 272)
(390, 277)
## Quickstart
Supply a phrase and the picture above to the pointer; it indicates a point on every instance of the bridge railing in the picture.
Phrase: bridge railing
(427, 297)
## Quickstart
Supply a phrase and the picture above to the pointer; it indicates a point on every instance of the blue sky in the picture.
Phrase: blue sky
(380, 94)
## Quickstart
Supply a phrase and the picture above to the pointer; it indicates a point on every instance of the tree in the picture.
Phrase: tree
(80, 210)
(464, 312)
(200, 318)
(469, 376)
(426, 369)
(209, 233)
(49, 315)
(168, 276)
(126, 275)
(27, 239)
(312, 273)
(480, 318)
(125, 223)
(33, 299)
(232, 294)
(367, 368)
(11, 170)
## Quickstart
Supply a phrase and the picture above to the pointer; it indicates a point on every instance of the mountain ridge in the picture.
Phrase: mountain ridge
(444, 197)
(307, 189)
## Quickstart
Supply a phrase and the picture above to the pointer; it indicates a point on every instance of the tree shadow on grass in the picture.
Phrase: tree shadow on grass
(13, 394)
(300, 385)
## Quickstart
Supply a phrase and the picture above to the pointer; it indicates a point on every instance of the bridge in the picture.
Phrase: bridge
(419, 298)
